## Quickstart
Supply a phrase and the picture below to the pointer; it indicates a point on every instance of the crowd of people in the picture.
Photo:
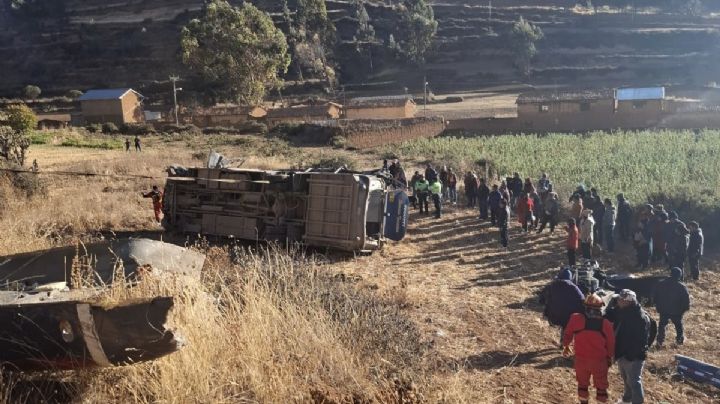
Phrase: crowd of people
(602, 332)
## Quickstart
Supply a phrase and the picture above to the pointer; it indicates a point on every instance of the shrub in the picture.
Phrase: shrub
(336, 162)
(183, 129)
(31, 92)
(21, 118)
(74, 94)
(216, 130)
(40, 137)
(28, 184)
(109, 128)
(137, 129)
(338, 142)
(94, 128)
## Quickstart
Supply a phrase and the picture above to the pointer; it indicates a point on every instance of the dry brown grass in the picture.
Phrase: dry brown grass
(443, 316)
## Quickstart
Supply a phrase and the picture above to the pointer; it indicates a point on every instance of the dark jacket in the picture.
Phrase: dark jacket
(430, 174)
(671, 297)
(625, 212)
(696, 246)
(562, 298)
(635, 331)
(484, 192)
(494, 199)
(516, 186)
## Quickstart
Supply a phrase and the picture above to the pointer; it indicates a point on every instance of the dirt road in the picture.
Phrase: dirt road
(476, 306)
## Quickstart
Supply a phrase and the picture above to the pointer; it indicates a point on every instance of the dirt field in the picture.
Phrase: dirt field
(474, 303)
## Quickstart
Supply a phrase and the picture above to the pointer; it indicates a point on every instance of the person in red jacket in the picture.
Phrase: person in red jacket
(157, 197)
(524, 210)
(594, 348)
(573, 240)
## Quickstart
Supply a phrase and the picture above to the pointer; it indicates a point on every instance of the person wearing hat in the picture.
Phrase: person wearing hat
(561, 298)
(594, 341)
(635, 333)
(672, 301)
(587, 225)
(624, 217)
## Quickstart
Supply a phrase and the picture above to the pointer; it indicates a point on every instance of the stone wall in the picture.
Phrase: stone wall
(362, 134)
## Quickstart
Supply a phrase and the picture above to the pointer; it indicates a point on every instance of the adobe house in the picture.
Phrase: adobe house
(119, 106)
(228, 115)
(567, 110)
(53, 121)
(303, 114)
(385, 107)
(639, 107)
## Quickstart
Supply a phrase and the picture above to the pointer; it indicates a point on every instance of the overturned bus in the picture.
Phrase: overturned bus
(343, 210)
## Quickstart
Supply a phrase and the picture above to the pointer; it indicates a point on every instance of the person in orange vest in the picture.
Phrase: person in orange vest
(594, 339)
(157, 197)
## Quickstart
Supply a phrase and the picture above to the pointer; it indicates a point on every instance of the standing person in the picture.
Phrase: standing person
(573, 239)
(594, 342)
(528, 186)
(127, 145)
(452, 185)
(506, 194)
(399, 175)
(544, 184)
(577, 208)
(503, 218)
(624, 218)
(550, 212)
(444, 182)
(587, 225)
(642, 241)
(672, 301)
(678, 247)
(608, 225)
(537, 209)
(635, 333)
(421, 192)
(430, 173)
(598, 208)
(494, 203)
(157, 197)
(436, 192)
(483, 194)
(524, 211)
(562, 298)
(413, 181)
(661, 230)
(695, 249)
(515, 187)
(470, 189)
(137, 144)
(393, 168)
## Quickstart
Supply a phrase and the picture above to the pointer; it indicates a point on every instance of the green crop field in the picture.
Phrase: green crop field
(678, 168)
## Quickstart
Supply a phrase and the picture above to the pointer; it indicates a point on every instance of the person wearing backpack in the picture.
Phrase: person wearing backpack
(635, 333)
(594, 342)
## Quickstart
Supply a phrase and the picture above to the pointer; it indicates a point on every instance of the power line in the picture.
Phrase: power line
(79, 174)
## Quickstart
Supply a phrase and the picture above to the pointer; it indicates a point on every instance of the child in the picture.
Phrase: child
(695, 249)
(572, 240)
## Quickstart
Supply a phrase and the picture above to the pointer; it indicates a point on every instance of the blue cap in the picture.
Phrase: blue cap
(565, 274)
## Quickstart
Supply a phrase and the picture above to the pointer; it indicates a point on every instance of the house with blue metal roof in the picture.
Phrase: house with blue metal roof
(639, 107)
(116, 105)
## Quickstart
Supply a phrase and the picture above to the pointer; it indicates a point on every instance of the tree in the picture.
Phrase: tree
(31, 92)
(237, 50)
(312, 18)
(13, 145)
(21, 118)
(523, 36)
(417, 29)
(365, 33)
(312, 34)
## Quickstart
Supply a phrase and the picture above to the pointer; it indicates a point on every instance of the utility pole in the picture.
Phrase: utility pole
(174, 80)
(425, 94)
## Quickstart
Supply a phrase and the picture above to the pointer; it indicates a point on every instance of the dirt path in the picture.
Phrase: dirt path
(475, 304)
